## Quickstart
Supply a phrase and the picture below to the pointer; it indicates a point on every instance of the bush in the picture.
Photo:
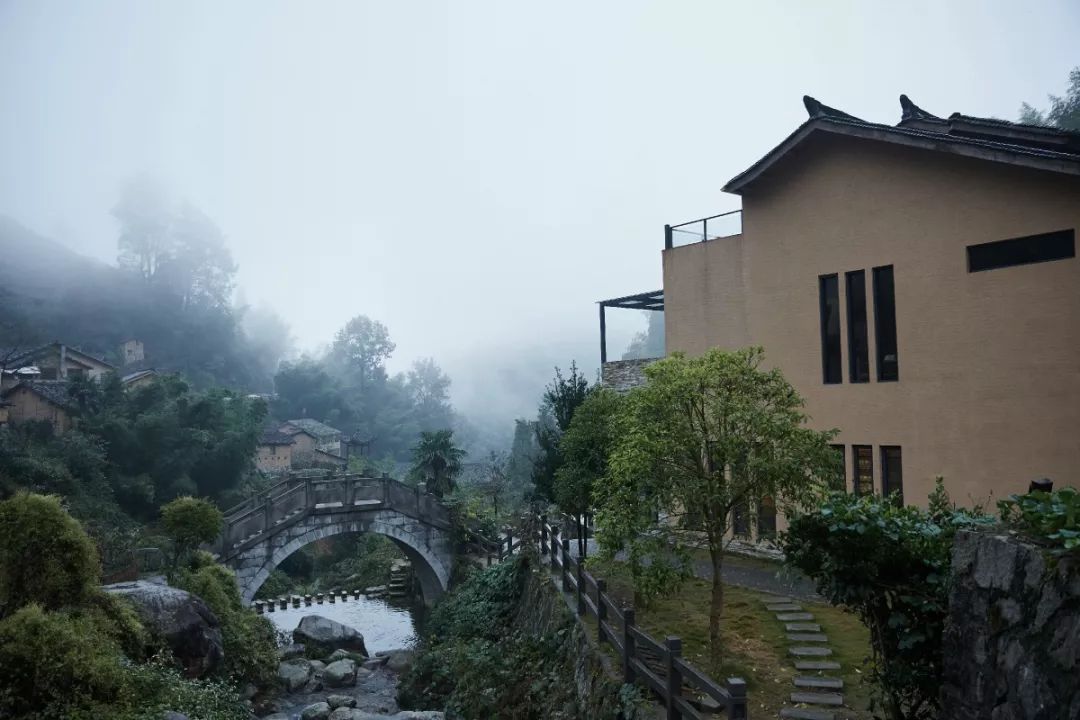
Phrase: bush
(45, 557)
(890, 565)
(1051, 517)
(160, 688)
(249, 639)
(58, 664)
(190, 522)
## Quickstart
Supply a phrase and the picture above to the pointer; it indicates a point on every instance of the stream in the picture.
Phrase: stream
(385, 624)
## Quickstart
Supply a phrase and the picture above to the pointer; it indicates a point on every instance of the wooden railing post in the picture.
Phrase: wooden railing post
(580, 588)
(565, 561)
(628, 646)
(673, 645)
(736, 707)
(554, 544)
(601, 609)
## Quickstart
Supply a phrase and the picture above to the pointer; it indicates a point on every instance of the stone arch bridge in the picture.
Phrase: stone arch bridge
(262, 531)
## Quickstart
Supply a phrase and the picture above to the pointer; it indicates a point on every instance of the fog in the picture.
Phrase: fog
(474, 175)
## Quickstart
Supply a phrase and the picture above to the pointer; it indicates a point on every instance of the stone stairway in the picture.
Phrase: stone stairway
(400, 579)
(815, 694)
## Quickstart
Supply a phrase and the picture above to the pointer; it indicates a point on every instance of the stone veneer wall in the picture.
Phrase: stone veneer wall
(624, 375)
(1012, 647)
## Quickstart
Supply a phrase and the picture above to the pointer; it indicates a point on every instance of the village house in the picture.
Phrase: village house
(326, 438)
(54, 361)
(39, 400)
(918, 285)
(275, 452)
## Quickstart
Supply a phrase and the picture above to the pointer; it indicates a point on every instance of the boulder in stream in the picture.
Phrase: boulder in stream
(341, 673)
(322, 636)
(318, 711)
(295, 674)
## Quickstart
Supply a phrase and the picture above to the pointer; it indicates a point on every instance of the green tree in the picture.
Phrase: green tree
(361, 348)
(702, 437)
(437, 461)
(523, 452)
(429, 388)
(45, 557)
(1064, 112)
(190, 522)
(496, 484)
(650, 343)
(585, 447)
(561, 398)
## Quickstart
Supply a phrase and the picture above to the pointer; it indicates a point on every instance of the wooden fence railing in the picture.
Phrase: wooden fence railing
(659, 667)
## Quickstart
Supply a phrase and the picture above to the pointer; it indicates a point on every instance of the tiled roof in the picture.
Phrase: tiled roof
(274, 437)
(33, 353)
(53, 391)
(133, 376)
(987, 138)
(312, 427)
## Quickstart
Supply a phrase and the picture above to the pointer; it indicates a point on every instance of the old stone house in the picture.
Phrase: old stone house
(275, 452)
(39, 400)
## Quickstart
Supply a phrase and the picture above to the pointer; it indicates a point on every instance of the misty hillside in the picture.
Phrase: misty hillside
(50, 293)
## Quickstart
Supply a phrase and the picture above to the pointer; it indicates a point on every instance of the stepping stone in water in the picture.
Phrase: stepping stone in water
(806, 714)
(809, 651)
(784, 607)
(816, 665)
(819, 683)
(813, 698)
(807, 637)
(794, 617)
(802, 627)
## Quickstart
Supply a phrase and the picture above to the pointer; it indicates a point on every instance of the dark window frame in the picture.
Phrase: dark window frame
(885, 329)
(858, 347)
(842, 451)
(856, 477)
(887, 471)
(1026, 250)
(832, 357)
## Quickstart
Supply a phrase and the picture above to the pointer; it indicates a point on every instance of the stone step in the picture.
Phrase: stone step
(816, 698)
(802, 627)
(784, 607)
(817, 665)
(809, 651)
(819, 683)
(771, 599)
(806, 714)
(794, 617)
(808, 637)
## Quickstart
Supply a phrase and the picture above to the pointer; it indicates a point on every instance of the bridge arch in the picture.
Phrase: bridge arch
(261, 532)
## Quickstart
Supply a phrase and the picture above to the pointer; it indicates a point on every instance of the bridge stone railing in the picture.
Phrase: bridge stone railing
(301, 495)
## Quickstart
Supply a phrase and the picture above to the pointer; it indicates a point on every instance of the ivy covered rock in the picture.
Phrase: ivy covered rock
(183, 620)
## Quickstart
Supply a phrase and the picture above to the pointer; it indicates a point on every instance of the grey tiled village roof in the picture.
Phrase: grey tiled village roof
(53, 391)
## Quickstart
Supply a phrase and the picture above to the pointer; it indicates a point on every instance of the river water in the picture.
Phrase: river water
(385, 624)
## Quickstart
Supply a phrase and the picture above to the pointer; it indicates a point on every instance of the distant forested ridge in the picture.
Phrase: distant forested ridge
(50, 293)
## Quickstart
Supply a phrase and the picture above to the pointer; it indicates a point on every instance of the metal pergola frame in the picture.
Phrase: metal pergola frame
(642, 301)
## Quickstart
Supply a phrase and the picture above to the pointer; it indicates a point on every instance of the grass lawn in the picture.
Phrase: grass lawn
(754, 644)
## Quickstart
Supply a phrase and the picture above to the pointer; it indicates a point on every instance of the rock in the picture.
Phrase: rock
(293, 650)
(170, 715)
(183, 620)
(400, 661)
(318, 711)
(313, 685)
(341, 701)
(248, 691)
(340, 674)
(343, 713)
(317, 665)
(323, 636)
(375, 662)
(338, 655)
(294, 674)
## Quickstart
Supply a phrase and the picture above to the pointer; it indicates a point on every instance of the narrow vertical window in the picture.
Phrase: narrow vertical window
(829, 291)
(840, 481)
(766, 518)
(863, 456)
(888, 361)
(858, 341)
(892, 474)
(740, 520)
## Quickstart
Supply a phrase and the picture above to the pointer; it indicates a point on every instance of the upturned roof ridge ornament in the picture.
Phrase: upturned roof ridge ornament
(911, 111)
(818, 109)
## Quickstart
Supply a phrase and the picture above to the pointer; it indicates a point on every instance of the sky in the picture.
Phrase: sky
(475, 175)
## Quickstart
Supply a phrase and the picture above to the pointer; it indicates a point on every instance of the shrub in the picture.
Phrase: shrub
(190, 522)
(45, 557)
(1053, 517)
(249, 639)
(58, 664)
(160, 687)
(890, 565)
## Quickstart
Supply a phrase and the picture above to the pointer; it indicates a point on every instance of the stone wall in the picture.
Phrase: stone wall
(624, 375)
(1012, 646)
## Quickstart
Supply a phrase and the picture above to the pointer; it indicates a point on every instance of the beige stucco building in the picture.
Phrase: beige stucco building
(919, 286)
(274, 454)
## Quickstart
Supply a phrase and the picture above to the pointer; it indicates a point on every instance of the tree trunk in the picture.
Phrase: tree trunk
(716, 607)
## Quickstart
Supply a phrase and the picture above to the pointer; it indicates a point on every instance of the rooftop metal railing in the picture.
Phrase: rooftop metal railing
(713, 227)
